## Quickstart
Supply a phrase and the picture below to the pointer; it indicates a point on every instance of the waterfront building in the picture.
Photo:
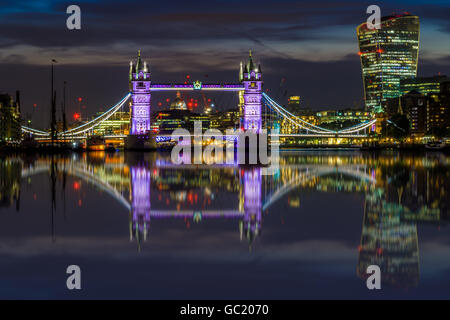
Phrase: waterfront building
(117, 124)
(438, 111)
(10, 127)
(414, 105)
(388, 55)
(428, 113)
(424, 85)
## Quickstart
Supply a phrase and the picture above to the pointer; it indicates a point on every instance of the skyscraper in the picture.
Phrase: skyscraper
(388, 54)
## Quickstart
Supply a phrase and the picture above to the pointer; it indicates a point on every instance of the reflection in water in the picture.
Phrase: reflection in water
(10, 173)
(400, 192)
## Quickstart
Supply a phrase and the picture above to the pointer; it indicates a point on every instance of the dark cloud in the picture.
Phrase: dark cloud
(201, 37)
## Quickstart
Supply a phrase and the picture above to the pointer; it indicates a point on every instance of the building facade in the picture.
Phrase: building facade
(428, 113)
(117, 124)
(423, 85)
(438, 111)
(10, 127)
(388, 55)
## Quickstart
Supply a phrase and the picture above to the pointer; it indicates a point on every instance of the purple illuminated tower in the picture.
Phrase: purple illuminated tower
(251, 77)
(252, 184)
(140, 205)
(140, 89)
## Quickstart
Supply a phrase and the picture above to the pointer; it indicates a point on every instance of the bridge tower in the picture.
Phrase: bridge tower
(139, 85)
(251, 77)
(140, 88)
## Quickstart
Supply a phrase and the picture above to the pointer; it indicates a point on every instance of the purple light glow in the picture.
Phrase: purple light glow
(252, 80)
(252, 199)
(140, 206)
(141, 97)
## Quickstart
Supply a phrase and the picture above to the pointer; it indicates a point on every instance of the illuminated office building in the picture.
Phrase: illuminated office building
(117, 124)
(424, 85)
(388, 55)
(438, 111)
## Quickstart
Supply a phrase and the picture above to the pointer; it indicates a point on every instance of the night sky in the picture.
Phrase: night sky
(311, 44)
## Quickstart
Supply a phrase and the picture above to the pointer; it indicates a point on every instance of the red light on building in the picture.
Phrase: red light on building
(80, 99)
(167, 100)
(34, 105)
(359, 53)
(76, 186)
(76, 116)
(159, 104)
(188, 76)
(196, 105)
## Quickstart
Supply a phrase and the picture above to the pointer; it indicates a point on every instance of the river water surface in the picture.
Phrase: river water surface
(140, 227)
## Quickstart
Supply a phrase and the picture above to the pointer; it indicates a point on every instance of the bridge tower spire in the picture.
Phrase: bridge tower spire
(251, 77)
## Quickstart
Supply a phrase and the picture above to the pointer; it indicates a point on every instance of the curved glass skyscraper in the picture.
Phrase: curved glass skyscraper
(388, 55)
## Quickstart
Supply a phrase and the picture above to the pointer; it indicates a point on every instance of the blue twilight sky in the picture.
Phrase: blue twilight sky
(311, 44)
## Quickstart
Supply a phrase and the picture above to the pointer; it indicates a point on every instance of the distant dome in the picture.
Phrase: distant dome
(178, 103)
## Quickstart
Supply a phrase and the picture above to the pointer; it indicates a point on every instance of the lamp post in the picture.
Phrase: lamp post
(53, 107)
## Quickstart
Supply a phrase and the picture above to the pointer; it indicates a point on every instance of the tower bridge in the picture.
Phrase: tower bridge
(249, 88)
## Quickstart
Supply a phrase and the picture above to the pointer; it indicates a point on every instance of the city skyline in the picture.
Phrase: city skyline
(96, 72)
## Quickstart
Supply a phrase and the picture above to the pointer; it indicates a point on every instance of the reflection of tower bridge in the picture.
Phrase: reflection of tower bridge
(131, 186)
(251, 95)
